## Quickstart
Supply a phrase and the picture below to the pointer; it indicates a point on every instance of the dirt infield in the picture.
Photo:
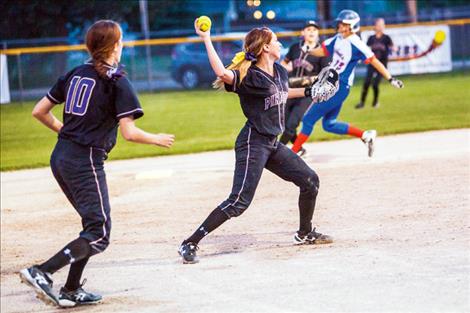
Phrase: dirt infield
(400, 221)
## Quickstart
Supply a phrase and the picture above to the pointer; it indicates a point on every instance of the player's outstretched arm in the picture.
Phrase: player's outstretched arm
(217, 66)
(42, 111)
(386, 74)
(296, 93)
(130, 132)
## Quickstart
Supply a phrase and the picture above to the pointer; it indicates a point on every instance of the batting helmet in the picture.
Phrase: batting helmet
(349, 17)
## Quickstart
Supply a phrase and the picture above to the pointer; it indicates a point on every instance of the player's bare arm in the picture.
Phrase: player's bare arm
(42, 111)
(131, 132)
(385, 73)
(318, 52)
(296, 93)
(217, 66)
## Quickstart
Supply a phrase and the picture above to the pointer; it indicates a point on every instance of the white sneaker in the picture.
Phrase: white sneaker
(368, 137)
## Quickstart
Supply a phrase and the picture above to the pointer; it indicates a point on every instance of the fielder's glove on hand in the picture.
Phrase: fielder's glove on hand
(396, 82)
(325, 86)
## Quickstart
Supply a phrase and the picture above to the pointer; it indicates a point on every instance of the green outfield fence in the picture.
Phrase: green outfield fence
(172, 62)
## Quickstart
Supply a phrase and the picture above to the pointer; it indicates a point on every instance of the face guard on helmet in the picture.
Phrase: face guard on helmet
(349, 17)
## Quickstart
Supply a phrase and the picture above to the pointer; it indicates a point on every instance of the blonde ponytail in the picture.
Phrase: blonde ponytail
(240, 63)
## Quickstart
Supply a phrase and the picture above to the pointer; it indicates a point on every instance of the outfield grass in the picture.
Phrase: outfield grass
(210, 120)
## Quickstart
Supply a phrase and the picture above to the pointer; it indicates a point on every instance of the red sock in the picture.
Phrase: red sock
(301, 138)
(356, 132)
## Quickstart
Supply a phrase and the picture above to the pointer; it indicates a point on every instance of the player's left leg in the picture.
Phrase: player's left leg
(375, 88)
(365, 86)
(290, 167)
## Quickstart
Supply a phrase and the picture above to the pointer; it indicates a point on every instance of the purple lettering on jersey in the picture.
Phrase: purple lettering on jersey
(82, 96)
(71, 94)
(79, 95)
(275, 100)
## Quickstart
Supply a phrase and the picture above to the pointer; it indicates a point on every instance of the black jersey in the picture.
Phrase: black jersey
(303, 63)
(93, 106)
(380, 46)
(262, 98)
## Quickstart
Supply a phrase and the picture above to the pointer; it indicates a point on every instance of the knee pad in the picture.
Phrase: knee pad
(312, 184)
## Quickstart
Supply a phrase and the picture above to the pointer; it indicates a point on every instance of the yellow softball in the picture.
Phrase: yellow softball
(204, 23)
(439, 37)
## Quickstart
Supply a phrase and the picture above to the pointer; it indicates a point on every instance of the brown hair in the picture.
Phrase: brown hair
(254, 42)
(100, 40)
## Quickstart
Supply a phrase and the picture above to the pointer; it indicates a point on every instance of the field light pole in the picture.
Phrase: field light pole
(144, 22)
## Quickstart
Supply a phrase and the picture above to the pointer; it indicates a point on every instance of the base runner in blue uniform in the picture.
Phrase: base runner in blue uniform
(98, 99)
(262, 87)
(346, 50)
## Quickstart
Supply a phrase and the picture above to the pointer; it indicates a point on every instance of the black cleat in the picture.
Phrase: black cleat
(42, 284)
(312, 238)
(188, 252)
(77, 297)
(360, 105)
(302, 152)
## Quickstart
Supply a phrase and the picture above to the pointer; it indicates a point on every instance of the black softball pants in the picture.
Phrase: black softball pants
(295, 110)
(374, 77)
(254, 152)
(79, 170)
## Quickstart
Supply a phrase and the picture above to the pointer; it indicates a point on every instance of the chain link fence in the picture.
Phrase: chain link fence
(172, 63)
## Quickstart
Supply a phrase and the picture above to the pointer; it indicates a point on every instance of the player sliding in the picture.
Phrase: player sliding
(98, 98)
(346, 50)
(262, 86)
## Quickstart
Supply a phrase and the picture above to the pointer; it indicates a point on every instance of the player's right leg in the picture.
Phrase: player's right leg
(251, 154)
(291, 126)
(295, 118)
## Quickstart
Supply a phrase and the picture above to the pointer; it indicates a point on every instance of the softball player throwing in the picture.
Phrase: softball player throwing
(262, 86)
(98, 98)
(346, 50)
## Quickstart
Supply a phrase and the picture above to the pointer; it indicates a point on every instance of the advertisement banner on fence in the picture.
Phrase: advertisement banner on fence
(418, 49)
(4, 87)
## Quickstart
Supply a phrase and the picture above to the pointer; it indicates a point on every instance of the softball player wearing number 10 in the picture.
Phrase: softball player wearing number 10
(346, 50)
(98, 98)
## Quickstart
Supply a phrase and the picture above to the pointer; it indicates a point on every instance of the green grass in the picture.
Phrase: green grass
(210, 120)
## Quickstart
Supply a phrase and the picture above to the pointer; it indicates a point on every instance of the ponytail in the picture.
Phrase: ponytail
(241, 62)
(100, 40)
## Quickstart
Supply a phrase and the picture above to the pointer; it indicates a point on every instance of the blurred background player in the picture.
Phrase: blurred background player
(303, 67)
(381, 45)
(98, 98)
(262, 87)
(346, 49)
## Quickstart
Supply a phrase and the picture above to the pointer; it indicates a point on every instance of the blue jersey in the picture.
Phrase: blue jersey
(93, 106)
(345, 54)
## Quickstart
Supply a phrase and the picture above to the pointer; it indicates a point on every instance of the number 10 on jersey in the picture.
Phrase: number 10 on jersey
(78, 95)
